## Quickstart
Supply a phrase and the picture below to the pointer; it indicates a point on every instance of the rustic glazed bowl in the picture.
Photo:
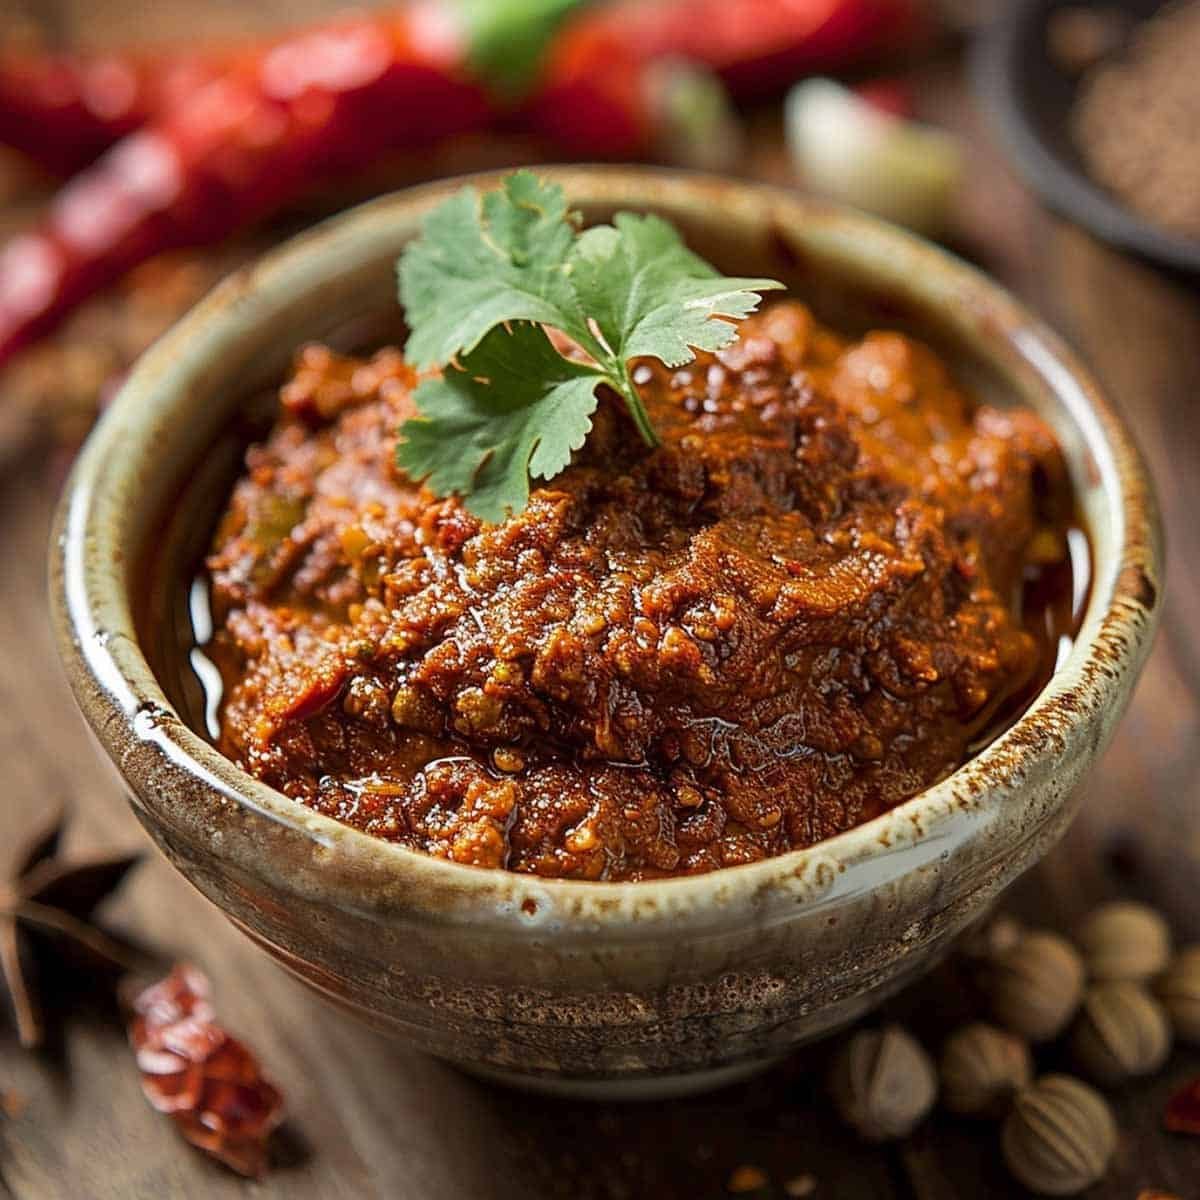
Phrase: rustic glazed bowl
(617, 989)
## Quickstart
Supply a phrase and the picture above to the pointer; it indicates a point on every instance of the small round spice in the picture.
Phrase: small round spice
(982, 1068)
(1059, 1137)
(992, 938)
(1121, 1031)
(1035, 986)
(883, 1083)
(1179, 991)
(1078, 37)
(1124, 940)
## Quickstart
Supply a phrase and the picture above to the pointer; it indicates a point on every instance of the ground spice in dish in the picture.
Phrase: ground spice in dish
(799, 610)
(1136, 117)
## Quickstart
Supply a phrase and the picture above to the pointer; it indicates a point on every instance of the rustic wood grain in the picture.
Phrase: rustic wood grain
(370, 1120)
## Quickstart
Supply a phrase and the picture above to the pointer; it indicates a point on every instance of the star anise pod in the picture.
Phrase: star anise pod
(46, 905)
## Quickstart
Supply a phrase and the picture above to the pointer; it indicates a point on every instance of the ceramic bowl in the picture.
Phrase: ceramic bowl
(605, 989)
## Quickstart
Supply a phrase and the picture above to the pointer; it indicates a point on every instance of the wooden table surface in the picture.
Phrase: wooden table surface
(369, 1119)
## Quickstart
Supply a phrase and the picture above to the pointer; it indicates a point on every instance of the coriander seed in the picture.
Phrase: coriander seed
(982, 1068)
(1179, 991)
(1035, 986)
(1059, 1137)
(1124, 940)
(883, 1083)
(1121, 1032)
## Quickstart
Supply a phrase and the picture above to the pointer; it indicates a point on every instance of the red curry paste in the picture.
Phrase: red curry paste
(800, 610)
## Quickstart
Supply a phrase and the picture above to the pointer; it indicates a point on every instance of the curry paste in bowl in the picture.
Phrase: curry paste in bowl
(836, 576)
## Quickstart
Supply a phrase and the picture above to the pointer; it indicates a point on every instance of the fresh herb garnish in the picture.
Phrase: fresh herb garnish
(485, 273)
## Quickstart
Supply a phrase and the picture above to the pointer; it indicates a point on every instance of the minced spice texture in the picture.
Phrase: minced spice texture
(798, 611)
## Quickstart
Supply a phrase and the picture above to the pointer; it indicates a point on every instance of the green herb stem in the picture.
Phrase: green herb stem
(637, 410)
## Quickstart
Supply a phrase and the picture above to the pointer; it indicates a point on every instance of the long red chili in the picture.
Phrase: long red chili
(592, 98)
(758, 47)
(325, 102)
(216, 154)
(64, 110)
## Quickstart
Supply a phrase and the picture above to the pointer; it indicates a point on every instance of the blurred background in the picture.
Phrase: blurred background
(148, 148)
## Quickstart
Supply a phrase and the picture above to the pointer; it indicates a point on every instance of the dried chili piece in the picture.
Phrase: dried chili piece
(207, 1081)
(1183, 1109)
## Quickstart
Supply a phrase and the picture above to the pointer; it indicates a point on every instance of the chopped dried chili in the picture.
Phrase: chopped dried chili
(1183, 1109)
(207, 1081)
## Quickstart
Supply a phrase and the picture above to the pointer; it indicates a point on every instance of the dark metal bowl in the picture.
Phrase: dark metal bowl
(1028, 97)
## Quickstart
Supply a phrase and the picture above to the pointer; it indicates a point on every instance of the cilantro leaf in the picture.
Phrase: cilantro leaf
(622, 291)
(513, 408)
(481, 262)
(650, 296)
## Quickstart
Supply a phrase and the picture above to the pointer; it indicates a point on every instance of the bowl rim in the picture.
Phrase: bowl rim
(1064, 187)
(124, 704)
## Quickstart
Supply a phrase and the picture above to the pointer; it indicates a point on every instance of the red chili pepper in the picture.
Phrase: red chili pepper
(64, 110)
(594, 98)
(892, 97)
(218, 155)
(324, 102)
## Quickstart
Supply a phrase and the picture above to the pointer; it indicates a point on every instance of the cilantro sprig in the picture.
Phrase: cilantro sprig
(480, 286)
